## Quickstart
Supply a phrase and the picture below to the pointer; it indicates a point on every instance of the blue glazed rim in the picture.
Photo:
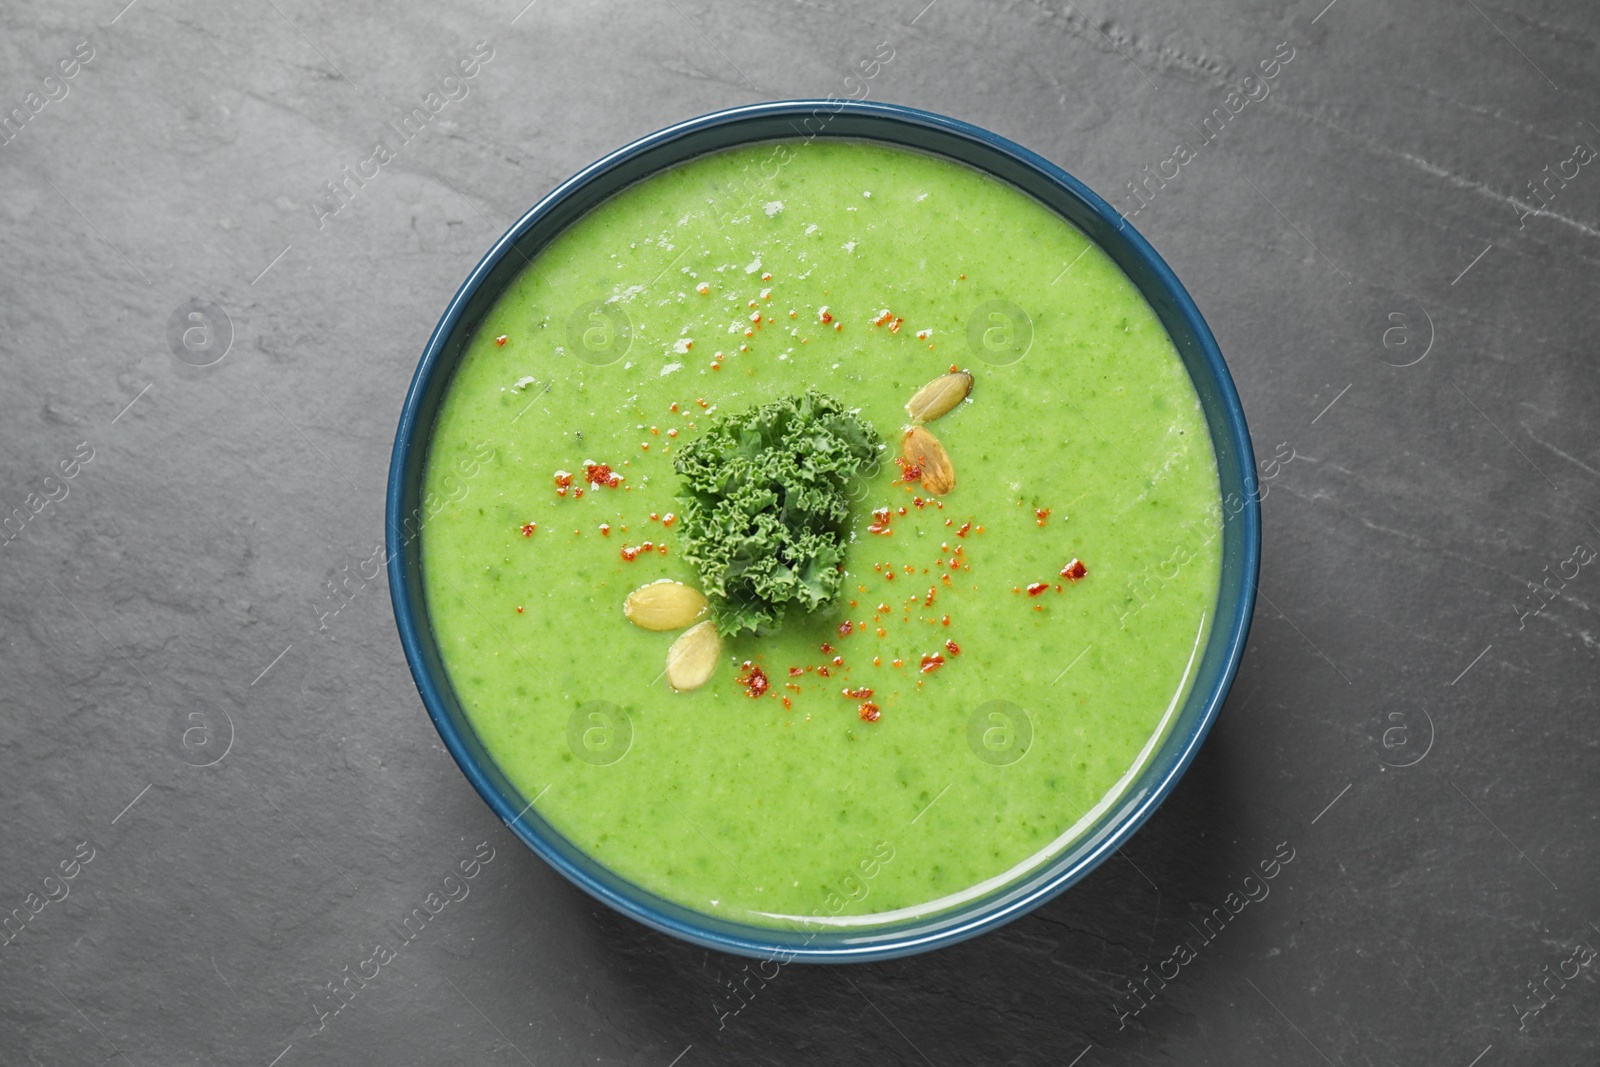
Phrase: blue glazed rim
(909, 128)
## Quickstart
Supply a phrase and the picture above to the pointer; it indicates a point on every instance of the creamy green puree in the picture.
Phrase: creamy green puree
(620, 341)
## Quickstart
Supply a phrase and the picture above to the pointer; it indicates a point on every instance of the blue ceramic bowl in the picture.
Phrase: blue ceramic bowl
(889, 124)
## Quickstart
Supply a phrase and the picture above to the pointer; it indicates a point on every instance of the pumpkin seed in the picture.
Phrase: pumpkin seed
(665, 605)
(939, 396)
(921, 450)
(693, 656)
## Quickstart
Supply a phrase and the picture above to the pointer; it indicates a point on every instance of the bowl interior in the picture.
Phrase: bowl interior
(407, 510)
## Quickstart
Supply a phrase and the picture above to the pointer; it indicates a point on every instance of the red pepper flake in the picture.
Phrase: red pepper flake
(845, 628)
(838, 661)
(823, 671)
(945, 621)
(909, 472)
(1041, 514)
(577, 494)
(880, 522)
(701, 401)
(601, 474)
(868, 711)
(754, 680)
(919, 502)
(862, 693)
(962, 532)
(788, 703)
(882, 632)
(1074, 570)
(668, 519)
(929, 601)
(795, 672)
(931, 661)
(889, 574)
(501, 340)
(647, 546)
(629, 554)
(953, 368)
(563, 479)
(825, 315)
(528, 528)
(672, 432)
(1035, 588)
(894, 327)
(519, 609)
(662, 548)
(899, 663)
(952, 648)
(605, 529)
(674, 406)
(827, 649)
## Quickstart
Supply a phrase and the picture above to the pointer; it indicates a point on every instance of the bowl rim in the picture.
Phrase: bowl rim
(413, 436)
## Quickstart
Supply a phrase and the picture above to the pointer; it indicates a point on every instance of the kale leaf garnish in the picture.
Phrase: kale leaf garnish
(766, 506)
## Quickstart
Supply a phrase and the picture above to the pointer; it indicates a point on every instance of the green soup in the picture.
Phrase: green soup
(750, 275)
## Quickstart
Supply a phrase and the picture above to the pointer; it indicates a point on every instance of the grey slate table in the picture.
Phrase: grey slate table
(1397, 247)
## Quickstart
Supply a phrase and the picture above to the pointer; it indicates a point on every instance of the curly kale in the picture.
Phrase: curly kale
(766, 506)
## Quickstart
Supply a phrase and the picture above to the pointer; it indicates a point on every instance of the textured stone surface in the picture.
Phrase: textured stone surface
(190, 554)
